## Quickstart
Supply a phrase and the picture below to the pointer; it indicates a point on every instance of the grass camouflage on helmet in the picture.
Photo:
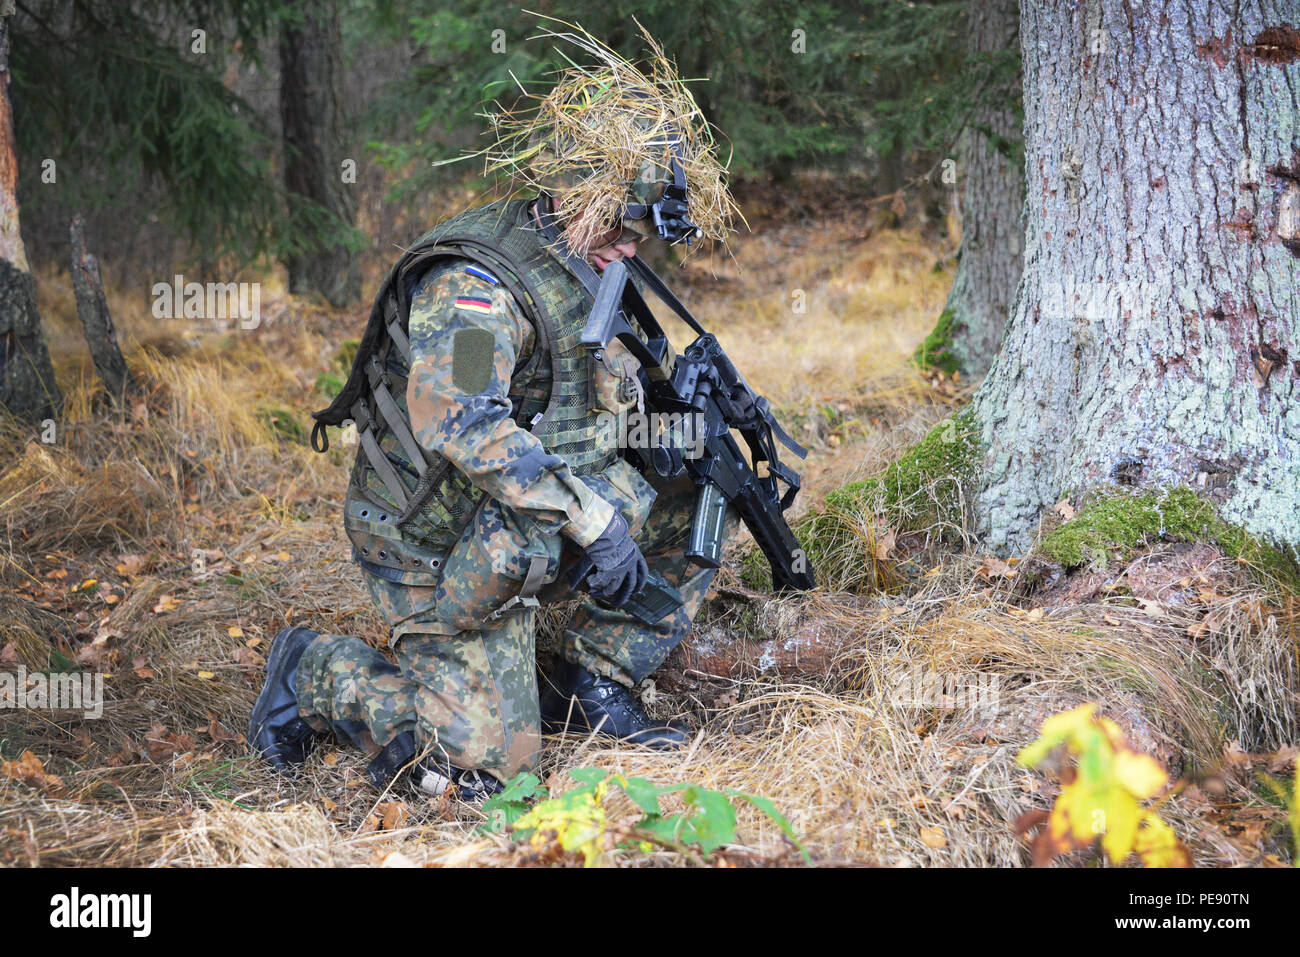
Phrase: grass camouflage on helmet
(617, 141)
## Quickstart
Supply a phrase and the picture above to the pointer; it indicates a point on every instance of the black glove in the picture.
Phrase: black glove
(620, 570)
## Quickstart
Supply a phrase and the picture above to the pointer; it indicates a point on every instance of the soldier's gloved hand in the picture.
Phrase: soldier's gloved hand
(620, 569)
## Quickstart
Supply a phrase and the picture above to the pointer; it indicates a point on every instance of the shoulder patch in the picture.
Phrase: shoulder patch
(471, 359)
(483, 274)
(474, 304)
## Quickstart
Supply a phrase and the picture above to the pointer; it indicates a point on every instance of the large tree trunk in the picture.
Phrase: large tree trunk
(311, 115)
(1154, 337)
(27, 386)
(992, 199)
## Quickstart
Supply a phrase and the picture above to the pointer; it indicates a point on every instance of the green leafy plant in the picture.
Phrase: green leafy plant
(578, 820)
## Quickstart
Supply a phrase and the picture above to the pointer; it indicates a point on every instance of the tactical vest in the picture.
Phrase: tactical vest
(407, 506)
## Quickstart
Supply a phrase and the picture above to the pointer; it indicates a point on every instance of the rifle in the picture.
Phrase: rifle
(704, 383)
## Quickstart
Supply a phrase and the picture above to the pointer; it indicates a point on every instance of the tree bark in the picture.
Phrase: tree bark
(92, 309)
(314, 132)
(1154, 337)
(991, 205)
(27, 386)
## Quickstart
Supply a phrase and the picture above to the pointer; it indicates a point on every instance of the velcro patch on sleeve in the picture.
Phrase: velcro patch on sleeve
(472, 304)
(471, 360)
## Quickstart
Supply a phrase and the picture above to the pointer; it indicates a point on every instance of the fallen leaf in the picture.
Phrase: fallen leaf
(933, 837)
(995, 567)
(393, 815)
(234, 631)
(885, 544)
(1282, 759)
(29, 770)
(131, 564)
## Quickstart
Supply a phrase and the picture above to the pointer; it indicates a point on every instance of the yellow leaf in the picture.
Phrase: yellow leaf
(207, 675)
(1140, 774)
(234, 631)
(933, 837)
(1157, 845)
(1103, 799)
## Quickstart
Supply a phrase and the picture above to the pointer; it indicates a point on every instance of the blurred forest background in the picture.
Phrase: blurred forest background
(211, 159)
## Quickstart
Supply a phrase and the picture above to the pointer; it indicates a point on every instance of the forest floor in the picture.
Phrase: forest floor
(165, 544)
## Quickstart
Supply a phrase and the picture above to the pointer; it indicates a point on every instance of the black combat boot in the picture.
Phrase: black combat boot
(429, 776)
(576, 698)
(275, 731)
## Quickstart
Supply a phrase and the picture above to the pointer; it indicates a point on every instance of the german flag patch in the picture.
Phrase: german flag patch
(474, 305)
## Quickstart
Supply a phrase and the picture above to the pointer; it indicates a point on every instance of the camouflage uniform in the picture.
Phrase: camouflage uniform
(467, 682)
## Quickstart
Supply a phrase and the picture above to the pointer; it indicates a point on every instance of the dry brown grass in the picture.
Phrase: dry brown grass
(865, 776)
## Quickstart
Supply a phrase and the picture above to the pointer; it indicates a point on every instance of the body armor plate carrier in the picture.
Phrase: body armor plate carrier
(407, 506)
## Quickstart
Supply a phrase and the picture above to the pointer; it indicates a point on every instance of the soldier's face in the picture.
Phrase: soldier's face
(617, 242)
(615, 245)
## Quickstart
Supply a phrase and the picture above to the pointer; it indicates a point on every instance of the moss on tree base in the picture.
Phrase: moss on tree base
(940, 464)
(924, 489)
(1114, 524)
(935, 351)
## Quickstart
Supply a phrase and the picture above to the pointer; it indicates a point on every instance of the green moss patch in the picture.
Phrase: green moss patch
(924, 486)
(1114, 525)
(936, 352)
(347, 354)
(924, 489)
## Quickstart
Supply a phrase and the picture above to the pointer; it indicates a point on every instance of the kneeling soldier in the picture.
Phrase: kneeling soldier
(488, 468)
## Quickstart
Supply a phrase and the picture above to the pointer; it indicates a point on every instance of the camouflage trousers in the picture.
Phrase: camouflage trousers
(470, 694)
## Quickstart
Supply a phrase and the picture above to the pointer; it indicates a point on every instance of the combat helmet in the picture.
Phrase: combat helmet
(618, 143)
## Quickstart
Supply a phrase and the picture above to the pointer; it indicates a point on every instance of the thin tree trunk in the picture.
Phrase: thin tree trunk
(27, 386)
(991, 205)
(311, 115)
(92, 309)
(1156, 332)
